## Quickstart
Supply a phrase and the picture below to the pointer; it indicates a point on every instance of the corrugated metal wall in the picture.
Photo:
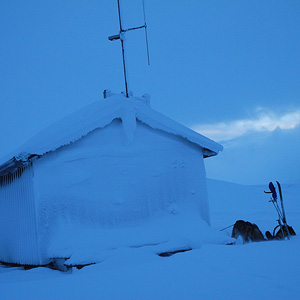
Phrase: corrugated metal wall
(18, 232)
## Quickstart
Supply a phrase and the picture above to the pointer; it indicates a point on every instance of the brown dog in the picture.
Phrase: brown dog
(247, 231)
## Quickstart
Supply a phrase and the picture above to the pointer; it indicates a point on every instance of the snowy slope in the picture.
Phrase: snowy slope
(275, 152)
(230, 202)
(266, 270)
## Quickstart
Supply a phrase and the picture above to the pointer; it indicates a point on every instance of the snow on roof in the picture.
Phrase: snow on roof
(99, 114)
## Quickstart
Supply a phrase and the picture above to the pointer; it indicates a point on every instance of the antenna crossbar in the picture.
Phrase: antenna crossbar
(134, 28)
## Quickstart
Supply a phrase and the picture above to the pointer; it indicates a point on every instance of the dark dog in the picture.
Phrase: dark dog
(247, 231)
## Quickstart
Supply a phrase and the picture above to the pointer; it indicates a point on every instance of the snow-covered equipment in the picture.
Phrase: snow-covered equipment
(121, 36)
(113, 174)
(280, 233)
(284, 230)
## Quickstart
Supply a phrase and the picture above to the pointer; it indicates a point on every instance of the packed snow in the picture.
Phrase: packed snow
(264, 270)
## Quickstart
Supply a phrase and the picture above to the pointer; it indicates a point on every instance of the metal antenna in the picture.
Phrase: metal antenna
(146, 34)
(120, 37)
(123, 50)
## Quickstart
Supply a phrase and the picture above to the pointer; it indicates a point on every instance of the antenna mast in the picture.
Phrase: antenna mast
(120, 37)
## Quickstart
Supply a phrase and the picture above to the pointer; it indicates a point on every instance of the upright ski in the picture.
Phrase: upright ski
(285, 231)
(281, 201)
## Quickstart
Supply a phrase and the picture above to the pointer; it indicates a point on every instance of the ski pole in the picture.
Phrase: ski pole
(227, 227)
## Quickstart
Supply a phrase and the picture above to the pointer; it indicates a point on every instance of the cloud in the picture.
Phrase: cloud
(264, 121)
(258, 158)
(256, 150)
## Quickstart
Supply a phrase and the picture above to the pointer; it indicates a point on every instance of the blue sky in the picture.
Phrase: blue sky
(228, 69)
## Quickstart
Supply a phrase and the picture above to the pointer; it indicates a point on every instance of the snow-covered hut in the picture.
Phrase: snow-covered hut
(115, 173)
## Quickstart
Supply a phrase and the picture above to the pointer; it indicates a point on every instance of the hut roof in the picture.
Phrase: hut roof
(97, 115)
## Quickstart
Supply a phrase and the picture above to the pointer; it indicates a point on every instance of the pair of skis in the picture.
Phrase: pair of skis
(284, 228)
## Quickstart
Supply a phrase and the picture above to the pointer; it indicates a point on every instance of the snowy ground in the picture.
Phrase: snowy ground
(266, 270)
